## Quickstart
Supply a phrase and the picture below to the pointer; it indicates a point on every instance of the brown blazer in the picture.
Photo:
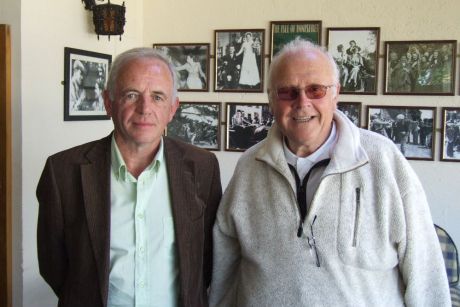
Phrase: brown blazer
(73, 234)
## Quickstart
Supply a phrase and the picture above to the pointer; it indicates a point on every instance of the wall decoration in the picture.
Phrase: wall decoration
(192, 65)
(420, 67)
(85, 75)
(282, 32)
(410, 128)
(450, 135)
(352, 110)
(197, 123)
(247, 124)
(356, 51)
(239, 64)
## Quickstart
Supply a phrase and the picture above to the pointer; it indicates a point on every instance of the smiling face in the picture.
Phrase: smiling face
(305, 122)
(143, 104)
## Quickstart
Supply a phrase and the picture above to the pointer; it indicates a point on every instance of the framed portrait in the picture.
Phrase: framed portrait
(85, 75)
(239, 64)
(356, 52)
(282, 32)
(412, 129)
(450, 135)
(197, 123)
(246, 125)
(420, 67)
(352, 110)
(192, 65)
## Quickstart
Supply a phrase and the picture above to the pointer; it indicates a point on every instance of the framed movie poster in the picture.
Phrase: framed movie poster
(412, 129)
(192, 65)
(356, 52)
(450, 135)
(247, 125)
(239, 63)
(420, 67)
(282, 32)
(352, 110)
(85, 75)
(197, 123)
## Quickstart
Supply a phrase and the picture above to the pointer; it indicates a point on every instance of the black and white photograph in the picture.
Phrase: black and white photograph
(356, 51)
(192, 65)
(283, 32)
(420, 67)
(197, 123)
(412, 129)
(247, 125)
(239, 60)
(85, 76)
(450, 140)
(352, 110)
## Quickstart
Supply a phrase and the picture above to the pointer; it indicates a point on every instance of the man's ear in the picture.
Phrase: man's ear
(107, 102)
(174, 107)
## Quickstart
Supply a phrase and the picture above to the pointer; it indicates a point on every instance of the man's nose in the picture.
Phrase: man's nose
(144, 104)
(303, 100)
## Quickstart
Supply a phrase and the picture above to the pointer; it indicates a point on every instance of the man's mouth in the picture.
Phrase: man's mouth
(303, 119)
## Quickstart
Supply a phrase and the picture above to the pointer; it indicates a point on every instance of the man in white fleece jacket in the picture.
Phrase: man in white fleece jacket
(322, 213)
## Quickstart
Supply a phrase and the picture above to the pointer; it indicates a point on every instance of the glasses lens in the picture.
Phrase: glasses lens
(287, 93)
(316, 91)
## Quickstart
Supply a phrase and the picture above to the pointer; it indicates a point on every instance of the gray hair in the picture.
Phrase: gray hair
(300, 46)
(134, 54)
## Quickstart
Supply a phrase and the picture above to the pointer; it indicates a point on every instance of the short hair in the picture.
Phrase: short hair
(300, 46)
(135, 54)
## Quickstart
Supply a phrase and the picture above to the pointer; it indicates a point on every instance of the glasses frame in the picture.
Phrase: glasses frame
(305, 90)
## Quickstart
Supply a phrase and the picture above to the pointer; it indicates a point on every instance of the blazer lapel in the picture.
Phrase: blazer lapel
(96, 194)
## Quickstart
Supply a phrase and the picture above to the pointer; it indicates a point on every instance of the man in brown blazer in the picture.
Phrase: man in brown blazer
(103, 232)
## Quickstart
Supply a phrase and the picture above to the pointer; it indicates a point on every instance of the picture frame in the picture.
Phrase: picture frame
(197, 123)
(352, 110)
(412, 129)
(85, 75)
(356, 52)
(420, 67)
(191, 61)
(283, 32)
(450, 135)
(239, 60)
(246, 124)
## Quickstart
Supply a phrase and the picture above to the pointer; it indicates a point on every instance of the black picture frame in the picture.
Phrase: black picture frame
(191, 61)
(197, 123)
(239, 60)
(283, 32)
(420, 67)
(85, 76)
(352, 110)
(450, 135)
(356, 52)
(242, 131)
(414, 124)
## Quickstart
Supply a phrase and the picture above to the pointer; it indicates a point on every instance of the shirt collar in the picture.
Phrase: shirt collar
(121, 171)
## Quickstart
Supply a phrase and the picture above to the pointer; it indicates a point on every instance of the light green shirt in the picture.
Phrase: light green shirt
(143, 258)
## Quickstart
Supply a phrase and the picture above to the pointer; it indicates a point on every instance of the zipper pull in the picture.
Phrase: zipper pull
(300, 230)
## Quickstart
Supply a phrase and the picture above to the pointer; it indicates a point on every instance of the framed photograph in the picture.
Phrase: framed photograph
(85, 75)
(450, 135)
(246, 125)
(282, 32)
(420, 67)
(352, 110)
(239, 63)
(356, 52)
(412, 129)
(192, 65)
(197, 123)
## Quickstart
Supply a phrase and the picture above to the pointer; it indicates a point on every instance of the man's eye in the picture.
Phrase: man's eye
(158, 98)
(131, 97)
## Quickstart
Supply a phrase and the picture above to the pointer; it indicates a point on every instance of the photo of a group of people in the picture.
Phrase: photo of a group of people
(355, 50)
(410, 128)
(239, 60)
(420, 67)
(451, 134)
(247, 124)
(352, 110)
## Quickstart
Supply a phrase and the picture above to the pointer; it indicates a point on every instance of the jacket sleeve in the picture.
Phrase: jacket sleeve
(421, 261)
(52, 257)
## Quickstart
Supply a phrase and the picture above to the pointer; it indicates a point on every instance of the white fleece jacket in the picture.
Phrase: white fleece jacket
(374, 233)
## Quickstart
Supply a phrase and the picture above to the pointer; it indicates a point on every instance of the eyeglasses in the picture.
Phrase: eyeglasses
(313, 91)
(312, 243)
